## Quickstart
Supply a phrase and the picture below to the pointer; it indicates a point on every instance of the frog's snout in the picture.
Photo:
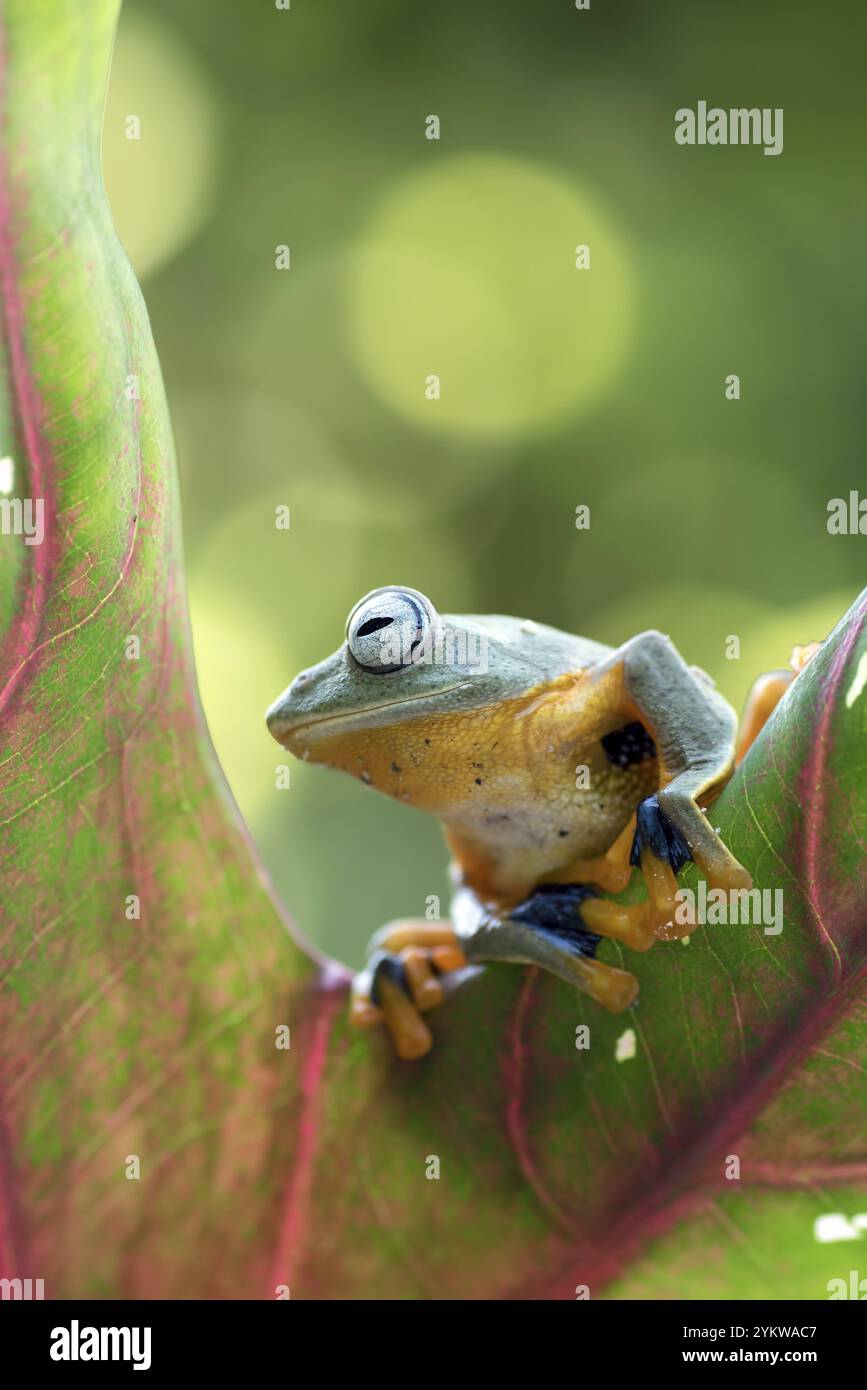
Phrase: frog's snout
(286, 712)
(278, 725)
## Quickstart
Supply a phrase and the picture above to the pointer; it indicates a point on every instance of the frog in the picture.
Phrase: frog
(557, 766)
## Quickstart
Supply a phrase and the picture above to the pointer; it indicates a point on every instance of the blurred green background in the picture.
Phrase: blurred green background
(306, 387)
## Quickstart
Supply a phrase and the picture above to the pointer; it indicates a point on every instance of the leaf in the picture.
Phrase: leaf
(149, 1029)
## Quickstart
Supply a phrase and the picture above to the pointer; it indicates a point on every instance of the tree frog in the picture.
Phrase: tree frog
(556, 766)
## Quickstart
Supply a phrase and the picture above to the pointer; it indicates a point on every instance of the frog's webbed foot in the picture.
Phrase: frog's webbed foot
(659, 850)
(551, 929)
(403, 980)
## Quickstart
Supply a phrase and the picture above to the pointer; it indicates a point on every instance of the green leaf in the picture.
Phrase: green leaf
(146, 969)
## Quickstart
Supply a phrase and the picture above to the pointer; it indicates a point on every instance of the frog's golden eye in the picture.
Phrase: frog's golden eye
(388, 628)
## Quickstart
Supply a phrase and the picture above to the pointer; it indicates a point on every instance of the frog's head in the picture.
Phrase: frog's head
(394, 703)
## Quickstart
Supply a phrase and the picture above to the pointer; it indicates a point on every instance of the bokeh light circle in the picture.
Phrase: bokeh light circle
(161, 185)
(467, 272)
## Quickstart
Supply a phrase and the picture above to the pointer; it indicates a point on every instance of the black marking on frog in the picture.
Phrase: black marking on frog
(629, 745)
(556, 908)
(654, 831)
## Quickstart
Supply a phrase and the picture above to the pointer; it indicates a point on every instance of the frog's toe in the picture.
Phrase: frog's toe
(398, 985)
(392, 992)
(363, 1013)
(660, 850)
(419, 970)
(411, 931)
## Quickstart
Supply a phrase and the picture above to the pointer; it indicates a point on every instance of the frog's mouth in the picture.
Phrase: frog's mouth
(300, 732)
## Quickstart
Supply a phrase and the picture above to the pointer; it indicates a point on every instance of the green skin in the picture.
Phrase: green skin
(376, 681)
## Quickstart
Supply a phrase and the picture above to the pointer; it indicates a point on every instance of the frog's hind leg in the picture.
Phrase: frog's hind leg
(765, 695)
(548, 930)
(402, 980)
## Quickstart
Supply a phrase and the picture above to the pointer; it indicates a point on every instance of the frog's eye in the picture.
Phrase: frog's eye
(386, 631)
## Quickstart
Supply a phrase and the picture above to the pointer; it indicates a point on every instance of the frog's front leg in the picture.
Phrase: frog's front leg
(403, 979)
(695, 731)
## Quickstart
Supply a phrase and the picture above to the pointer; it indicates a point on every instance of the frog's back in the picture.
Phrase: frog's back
(550, 650)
